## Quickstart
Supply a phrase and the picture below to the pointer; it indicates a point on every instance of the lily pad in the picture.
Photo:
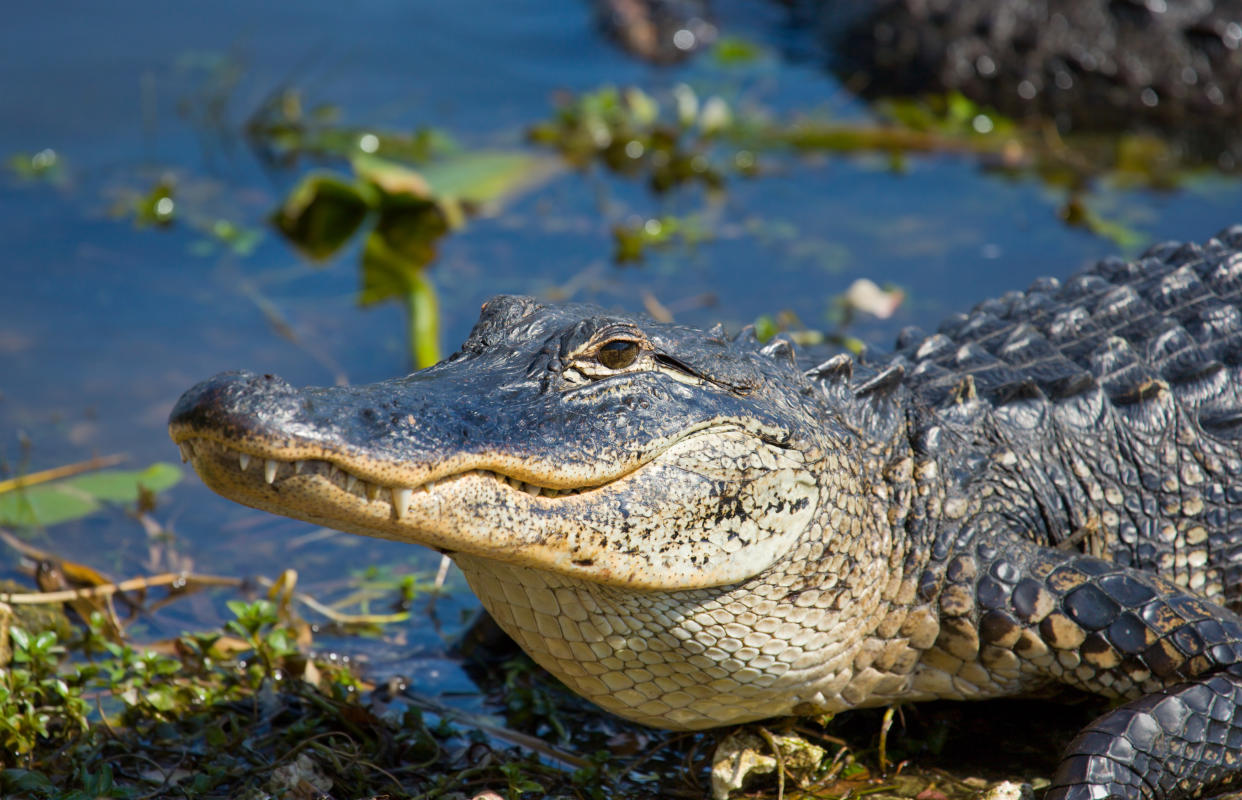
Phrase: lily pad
(73, 498)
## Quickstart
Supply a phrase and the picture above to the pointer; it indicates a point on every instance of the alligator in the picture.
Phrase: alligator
(694, 530)
(1089, 64)
(1174, 67)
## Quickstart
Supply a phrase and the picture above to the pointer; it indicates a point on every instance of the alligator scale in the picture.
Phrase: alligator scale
(693, 530)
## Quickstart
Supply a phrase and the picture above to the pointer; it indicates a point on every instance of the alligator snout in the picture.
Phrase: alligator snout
(234, 402)
(411, 419)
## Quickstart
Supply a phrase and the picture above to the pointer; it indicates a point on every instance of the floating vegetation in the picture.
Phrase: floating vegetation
(46, 165)
(862, 297)
(283, 131)
(632, 134)
(735, 51)
(635, 237)
(683, 139)
(173, 200)
(627, 131)
(223, 234)
(156, 207)
(404, 212)
(1079, 212)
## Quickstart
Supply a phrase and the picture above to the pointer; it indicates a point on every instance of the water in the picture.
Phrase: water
(104, 323)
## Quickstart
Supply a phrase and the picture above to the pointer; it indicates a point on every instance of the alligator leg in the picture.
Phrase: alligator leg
(1184, 741)
(1079, 620)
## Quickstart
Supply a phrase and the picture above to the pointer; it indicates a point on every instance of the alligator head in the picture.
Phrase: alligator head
(564, 452)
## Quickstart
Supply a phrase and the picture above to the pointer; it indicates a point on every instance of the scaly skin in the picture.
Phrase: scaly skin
(1085, 64)
(1092, 64)
(693, 531)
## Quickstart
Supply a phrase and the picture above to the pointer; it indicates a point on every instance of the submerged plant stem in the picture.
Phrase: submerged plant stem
(424, 314)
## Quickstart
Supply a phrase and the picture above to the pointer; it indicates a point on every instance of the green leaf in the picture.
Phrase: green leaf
(44, 505)
(121, 486)
(162, 698)
(391, 274)
(410, 230)
(391, 178)
(388, 272)
(735, 51)
(321, 214)
(765, 328)
(73, 498)
(24, 780)
(487, 177)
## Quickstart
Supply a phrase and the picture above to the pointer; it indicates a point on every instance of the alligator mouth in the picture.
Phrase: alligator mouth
(258, 469)
(616, 522)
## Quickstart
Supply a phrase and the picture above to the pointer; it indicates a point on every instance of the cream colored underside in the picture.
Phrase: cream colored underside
(705, 658)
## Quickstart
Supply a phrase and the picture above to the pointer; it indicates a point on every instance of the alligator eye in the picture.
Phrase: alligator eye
(617, 354)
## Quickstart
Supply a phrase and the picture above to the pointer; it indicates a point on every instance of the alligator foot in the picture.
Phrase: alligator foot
(1082, 621)
(1180, 742)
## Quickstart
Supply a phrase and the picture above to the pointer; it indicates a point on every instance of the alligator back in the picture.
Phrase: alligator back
(1091, 63)
(1104, 411)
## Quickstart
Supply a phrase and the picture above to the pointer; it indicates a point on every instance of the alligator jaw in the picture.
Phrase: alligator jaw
(590, 533)
(211, 455)
(332, 491)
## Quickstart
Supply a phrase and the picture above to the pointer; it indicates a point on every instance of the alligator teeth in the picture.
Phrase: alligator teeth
(401, 500)
(528, 488)
(352, 484)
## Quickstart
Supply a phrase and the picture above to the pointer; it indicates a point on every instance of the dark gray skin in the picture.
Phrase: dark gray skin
(1046, 491)
(1091, 64)
(1094, 65)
